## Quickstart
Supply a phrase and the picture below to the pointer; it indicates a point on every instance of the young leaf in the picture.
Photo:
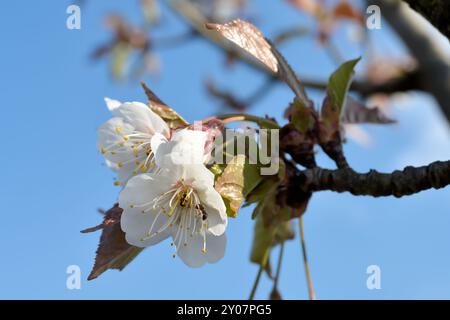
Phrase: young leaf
(332, 108)
(266, 236)
(236, 181)
(262, 242)
(249, 38)
(338, 86)
(113, 250)
(357, 112)
(300, 116)
(172, 118)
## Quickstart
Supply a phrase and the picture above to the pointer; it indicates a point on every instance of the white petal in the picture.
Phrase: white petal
(156, 141)
(108, 136)
(112, 104)
(193, 256)
(215, 209)
(143, 188)
(136, 226)
(185, 147)
(216, 246)
(142, 118)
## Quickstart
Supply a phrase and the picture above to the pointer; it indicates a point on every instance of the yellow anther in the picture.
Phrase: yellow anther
(103, 150)
(121, 143)
(118, 129)
(143, 167)
(152, 164)
(117, 183)
(203, 250)
(137, 163)
(113, 152)
(126, 138)
(120, 164)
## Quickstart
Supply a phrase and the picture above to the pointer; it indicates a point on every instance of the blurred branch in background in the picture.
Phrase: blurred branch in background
(433, 74)
(437, 12)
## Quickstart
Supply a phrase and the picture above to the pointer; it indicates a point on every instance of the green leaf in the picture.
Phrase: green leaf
(265, 237)
(236, 181)
(338, 86)
(262, 241)
(301, 116)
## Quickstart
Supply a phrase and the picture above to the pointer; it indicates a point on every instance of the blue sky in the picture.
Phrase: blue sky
(54, 179)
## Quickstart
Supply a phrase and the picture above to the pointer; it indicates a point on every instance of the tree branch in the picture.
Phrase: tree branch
(434, 63)
(409, 181)
(437, 12)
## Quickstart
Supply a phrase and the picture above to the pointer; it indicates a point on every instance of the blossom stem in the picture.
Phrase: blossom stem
(262, 266)
(280, 259)
(311, 293)
(255, 284)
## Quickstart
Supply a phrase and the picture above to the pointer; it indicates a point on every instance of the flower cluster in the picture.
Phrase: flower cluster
(167, 189)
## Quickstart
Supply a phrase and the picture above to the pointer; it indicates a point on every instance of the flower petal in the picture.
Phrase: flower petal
(215, 209)
(112, 104)
(142, 118)
(193, 256)
(156, 141)
(111, 141)
(137, 225)
(185, 147)
(142, 189)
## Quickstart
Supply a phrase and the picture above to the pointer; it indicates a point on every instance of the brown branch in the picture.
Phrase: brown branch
(399, 183)
(433, 61)
(437, 12)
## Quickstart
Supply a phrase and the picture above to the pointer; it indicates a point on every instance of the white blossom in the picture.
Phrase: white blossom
(126, 139)
(180, 203)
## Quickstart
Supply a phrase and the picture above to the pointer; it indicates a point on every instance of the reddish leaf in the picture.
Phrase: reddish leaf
(113, 250)
(170, 116)
(357, 112)
(248, 37)
(344, 10)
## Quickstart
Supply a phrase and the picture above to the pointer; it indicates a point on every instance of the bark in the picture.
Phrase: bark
(437, 12)
(399, 183)
(433, 60)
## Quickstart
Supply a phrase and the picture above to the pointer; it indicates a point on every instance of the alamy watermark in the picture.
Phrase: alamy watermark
(73, 21)
(374, 279)
(73, 281)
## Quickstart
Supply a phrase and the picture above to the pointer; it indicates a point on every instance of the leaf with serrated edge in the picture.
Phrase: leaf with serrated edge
(170, 116)
(113, 251)
(249, 38)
